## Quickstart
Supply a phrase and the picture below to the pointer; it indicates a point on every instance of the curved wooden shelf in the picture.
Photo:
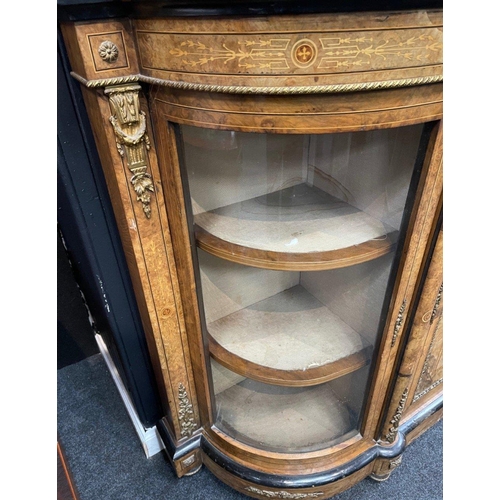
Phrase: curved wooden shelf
(279, 419)
(280, 261)
(289, 339)
(289, 378)
(255, 232)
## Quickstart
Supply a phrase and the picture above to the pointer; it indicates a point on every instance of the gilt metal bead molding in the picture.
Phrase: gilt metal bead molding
(240, 89)
(108, 51)
(105, 82)
(436, 303)
(391, 435)
(399, 323)
(307, 89)
(132, 142)
(283, 494)
(186, 413)
(429, 389)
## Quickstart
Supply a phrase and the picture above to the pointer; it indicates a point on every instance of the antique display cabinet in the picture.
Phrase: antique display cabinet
(277, 184)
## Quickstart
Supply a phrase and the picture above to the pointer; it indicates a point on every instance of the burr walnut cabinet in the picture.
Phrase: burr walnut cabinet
(277, 184)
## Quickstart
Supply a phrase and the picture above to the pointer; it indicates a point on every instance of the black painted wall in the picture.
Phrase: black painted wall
(75, 336)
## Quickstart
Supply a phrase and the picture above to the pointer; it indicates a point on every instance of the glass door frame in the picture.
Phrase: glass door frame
(169, 108)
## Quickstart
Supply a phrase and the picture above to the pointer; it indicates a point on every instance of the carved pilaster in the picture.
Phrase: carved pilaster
(129, 124)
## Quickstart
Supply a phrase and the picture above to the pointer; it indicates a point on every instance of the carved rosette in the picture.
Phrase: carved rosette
(186, 413)
(391, 435)
(108, 51)
(129, 125)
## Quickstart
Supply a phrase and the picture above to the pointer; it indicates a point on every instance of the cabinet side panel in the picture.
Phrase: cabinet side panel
(119, 116)
(86, 220)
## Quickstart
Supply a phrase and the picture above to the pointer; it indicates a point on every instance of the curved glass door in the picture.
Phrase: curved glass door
(296, 236)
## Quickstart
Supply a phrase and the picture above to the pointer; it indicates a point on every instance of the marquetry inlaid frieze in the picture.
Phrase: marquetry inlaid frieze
(275, 53)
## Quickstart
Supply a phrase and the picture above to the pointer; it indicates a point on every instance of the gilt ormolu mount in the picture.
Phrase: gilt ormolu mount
(129, 124)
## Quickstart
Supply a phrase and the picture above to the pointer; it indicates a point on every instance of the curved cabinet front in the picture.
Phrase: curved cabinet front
(288, 180)
(303, 249)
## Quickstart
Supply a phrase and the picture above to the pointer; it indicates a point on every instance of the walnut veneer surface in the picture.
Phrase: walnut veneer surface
(144, 80)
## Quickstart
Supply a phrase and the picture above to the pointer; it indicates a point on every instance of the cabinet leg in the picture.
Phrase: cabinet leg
(187, 466)
(194, 471)
(185, 457)
(383, 468)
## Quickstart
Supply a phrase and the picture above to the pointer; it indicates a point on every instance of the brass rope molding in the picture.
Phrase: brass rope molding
(241, 89)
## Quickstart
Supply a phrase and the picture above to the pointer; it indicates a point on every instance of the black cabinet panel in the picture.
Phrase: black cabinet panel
(75, 336)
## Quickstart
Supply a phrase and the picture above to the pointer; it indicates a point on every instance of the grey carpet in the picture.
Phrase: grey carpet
(108, 463)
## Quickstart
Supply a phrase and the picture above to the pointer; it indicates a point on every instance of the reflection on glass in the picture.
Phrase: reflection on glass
(296, 238)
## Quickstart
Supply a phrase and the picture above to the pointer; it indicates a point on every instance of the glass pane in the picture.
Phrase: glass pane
(279, 418)
(296, 238)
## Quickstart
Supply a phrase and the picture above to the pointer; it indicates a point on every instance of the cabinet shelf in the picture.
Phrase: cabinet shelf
(279, 418)
(300, 228)
(288, 339)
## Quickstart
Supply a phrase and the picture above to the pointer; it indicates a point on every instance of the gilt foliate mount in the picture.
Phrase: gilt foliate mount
(390, 437)
(283, 494)
(186, 413)
(132, 141)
